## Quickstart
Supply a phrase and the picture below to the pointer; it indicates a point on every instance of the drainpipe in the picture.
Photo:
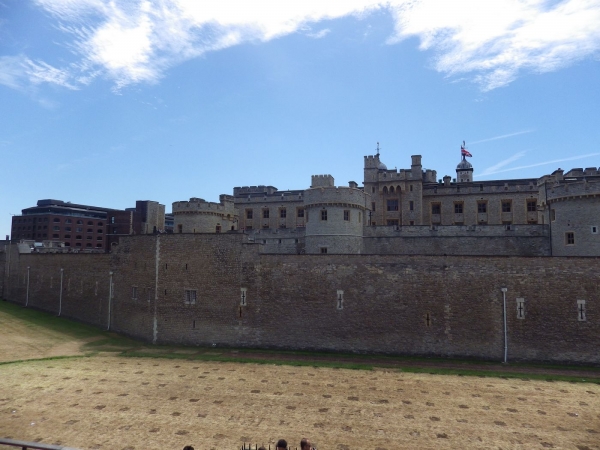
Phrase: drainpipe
(61, 291)
(110, 295)
(27, 297)
(505, 333)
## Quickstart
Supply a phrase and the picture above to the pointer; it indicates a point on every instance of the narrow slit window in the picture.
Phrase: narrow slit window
(581, 311)
(340, 299)
(520, 308)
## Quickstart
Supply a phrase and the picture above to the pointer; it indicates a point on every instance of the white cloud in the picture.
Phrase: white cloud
(20, 72)
(319, 34)
(496, 39)
(489, 42)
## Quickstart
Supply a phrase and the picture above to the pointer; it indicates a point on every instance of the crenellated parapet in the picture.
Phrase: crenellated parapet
(321, 181)
(335, 196)
(199, 216)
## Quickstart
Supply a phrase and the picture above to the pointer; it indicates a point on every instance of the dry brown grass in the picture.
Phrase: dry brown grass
(110, 402)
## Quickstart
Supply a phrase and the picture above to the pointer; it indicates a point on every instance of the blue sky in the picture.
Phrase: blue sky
(109, 102)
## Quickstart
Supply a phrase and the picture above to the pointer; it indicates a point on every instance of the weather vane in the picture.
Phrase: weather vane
(377, 148)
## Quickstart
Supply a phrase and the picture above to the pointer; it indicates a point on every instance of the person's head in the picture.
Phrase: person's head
(305, 444)
(282, 444)
(188, 447)
(262, 447)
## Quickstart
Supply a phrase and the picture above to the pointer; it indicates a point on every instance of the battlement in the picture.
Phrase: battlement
(261, 189)
(321, 181)
(196, 204)
(372, 162)
(335, 195)
(574, 187)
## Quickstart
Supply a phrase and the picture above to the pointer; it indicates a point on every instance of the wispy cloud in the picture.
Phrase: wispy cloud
(490, 43)
(503, 136)
(496, 167)
(20, 72)
(545, 163)
(319, 34)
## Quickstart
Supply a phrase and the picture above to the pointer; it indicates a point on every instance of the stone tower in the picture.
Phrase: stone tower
(334, 217)
(464, 171)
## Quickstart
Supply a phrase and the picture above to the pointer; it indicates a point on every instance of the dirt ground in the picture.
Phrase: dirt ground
(111, 402)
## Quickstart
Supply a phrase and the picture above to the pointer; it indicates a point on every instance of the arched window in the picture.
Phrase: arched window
(385, 190)
(391, 189)
(398, 189)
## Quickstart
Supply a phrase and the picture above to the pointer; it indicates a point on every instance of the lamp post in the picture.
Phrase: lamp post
(505, 332)
(61, 291)
(27, 296)
(110, 294)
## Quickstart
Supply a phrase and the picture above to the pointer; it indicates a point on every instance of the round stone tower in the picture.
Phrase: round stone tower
(199, 216)
(573, 211)
(334, 217)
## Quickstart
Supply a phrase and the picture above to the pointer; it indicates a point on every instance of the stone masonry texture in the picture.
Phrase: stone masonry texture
(393, 304)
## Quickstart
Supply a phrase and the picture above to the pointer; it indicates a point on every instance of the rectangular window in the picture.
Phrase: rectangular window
(506, 206)
(392, 205)
(531, 205)
(265, 213)
(323, 250)
(324, 214)
(392, 222)
(249, 214)
(458, 208)
(436, 208)
(520, 308)
(411, 187)
(594, 229)
(553, 214)
(134, 292)
(373, 206)
(570, 238)
(243, 296)
(346, 215)
(190, 296)
(411, 205)
(482, 207)
(56, 228)
(282, 213)
(300, 212)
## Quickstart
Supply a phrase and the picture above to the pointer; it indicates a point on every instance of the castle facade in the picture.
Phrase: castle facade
(410, 211)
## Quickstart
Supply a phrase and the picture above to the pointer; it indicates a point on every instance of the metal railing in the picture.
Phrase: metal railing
(33, 445)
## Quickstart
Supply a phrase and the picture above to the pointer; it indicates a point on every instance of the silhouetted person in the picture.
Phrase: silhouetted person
(281, 444)
(305, 444)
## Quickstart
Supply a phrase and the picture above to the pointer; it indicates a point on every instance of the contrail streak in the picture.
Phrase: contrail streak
(573, 158)
(504, 136)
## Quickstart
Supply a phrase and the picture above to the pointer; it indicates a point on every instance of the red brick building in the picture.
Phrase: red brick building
(82, 226)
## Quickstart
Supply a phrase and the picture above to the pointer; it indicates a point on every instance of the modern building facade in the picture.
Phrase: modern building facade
(85, 227)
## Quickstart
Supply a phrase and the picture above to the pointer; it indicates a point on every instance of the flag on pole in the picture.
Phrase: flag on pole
(464, 151)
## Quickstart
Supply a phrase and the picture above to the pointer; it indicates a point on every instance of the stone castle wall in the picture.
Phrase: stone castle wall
(419, 305)
(487, 240)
